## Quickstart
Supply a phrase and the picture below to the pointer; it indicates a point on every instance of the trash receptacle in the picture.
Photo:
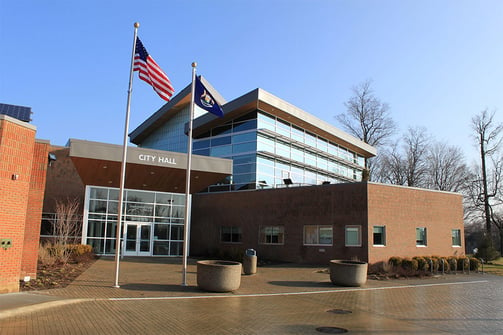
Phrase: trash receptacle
(250, 262)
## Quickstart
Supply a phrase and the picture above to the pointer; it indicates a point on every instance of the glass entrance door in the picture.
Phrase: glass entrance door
(138, 239)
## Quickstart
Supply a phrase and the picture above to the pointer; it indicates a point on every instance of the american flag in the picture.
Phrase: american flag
(150, 72)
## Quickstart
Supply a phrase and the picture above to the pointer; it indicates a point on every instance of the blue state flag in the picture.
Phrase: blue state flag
(205, 100)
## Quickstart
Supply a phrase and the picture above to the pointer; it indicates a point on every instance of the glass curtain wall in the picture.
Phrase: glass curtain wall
(266, 150)
(163, 212)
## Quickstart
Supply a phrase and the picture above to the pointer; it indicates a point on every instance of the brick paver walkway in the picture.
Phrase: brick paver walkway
(277, 300)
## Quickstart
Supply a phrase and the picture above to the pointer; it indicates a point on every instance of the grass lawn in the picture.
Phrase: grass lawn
(494, 267)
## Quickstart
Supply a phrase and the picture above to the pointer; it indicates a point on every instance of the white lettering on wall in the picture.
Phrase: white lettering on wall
(167, 160)
(159, 159)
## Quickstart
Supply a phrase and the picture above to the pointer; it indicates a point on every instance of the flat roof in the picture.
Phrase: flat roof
(99, 164)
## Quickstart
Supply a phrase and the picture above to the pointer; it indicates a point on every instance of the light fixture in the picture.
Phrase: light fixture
(15, 176)
(287, 181)
(51, 158)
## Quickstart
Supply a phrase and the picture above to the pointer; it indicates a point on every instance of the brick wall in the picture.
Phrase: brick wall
(336, 205)
(63, 181)
(16, 153)
(34, 209)
(402, 210)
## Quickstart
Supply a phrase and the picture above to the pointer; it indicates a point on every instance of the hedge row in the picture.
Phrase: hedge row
(69, 249)
(435, 263)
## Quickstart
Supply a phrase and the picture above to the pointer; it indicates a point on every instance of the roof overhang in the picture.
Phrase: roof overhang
(168, 110)
(259, 99)
(99, 164)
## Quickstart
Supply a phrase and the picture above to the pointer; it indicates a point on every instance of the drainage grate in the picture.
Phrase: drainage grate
(339, 311)
(331, 330)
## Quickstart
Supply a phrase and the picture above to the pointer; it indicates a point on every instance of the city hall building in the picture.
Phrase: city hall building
(267, 176)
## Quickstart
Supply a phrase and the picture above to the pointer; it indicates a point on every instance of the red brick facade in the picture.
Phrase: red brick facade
(402, 210)
(362, 205)
(22, 182)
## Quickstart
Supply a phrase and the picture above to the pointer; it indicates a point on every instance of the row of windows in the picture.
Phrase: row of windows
(300, 135)
(305, 157)
(323, 235)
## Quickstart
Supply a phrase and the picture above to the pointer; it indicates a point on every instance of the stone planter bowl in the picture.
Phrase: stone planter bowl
(218, 276)
(348, 273)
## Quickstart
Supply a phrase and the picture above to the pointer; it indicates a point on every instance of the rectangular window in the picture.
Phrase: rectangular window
(379, 235)
(456, 237)
(421, 236)
(318, 235)
(353, 236)
(230, 234)
(272, 235)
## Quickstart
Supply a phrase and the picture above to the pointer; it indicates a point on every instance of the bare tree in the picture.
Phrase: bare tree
(446, 168)
(67, 226)
(366, 117)
(405, 164)
(391, 167)
(487, 135)
(416, 148)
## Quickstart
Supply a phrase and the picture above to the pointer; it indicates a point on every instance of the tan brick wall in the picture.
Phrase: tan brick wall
(402, 209)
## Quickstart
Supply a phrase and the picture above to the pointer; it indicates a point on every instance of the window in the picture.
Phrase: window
(456, 237)
(272, 235)
(353, 236)
(421, 236)
(318, 235)
(230, 234)
(379, 235)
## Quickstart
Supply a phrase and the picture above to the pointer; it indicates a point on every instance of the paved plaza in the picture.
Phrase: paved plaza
(279, 299)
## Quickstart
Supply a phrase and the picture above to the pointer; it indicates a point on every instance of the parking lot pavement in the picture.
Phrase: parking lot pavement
(280, 299)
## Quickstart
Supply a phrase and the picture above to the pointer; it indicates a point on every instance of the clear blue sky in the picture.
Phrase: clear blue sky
(437, 63)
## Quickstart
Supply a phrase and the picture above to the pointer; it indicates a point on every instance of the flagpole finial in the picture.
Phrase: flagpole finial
(194, 64)
(137, 24)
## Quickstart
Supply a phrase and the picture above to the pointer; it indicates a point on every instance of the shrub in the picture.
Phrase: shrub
(432, 263)
(474, 264)
(51, 253)
(453, 263)
(409, 264)
(378, 267)
(79, 249)
(44, 255)
(443, 264)
(422, 263)
(486, 251)
(395, 261)
(463, 263)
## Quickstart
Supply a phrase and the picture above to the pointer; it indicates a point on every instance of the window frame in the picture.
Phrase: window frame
(458, 237)
(425, 237)
(263, 236)
(383, 237)
(232, 233)
(318, 229)
(359, 227)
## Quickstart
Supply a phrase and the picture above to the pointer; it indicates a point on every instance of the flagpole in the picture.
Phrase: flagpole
(123, 166)
(186, 231)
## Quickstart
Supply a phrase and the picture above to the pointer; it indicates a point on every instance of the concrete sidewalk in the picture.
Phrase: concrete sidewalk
(279, 299)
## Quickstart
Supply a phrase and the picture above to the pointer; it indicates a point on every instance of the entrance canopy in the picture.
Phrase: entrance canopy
(99, 164)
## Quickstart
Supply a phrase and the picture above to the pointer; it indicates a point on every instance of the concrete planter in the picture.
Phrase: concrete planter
(348, 273)
(218, 276)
